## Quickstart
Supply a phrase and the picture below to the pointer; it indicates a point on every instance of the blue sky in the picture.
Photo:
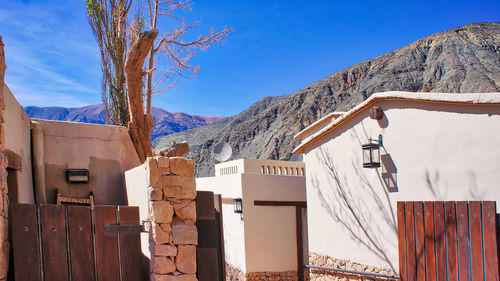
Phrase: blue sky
(277, 47)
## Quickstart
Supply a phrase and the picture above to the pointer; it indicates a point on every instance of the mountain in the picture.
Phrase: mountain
(165, 122)
(464, 59)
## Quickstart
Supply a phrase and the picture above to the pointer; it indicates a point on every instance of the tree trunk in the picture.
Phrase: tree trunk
(140, 124)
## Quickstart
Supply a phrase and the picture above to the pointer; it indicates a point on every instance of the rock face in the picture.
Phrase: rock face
(165, 122)
(465, 59)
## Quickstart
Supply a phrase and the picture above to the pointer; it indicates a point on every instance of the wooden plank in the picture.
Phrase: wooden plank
(54, 243)
(410, 242)
(205, 205)
(300, 246)
(430, 250)
(490, 241)
(80, 243)
(106, 244)
(207, 269)
(476, 240)
(25, 242)
(440, 240)
(403, 272)
(280, 203)
(420, 240)
(451, 240)
(463, 241)
(220, 222)
(130, 244)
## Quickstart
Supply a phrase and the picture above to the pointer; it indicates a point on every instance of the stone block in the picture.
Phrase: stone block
(185, 261)
(166, 227)
(165, 250)
(162, 265)
(181, 166)
(186, 210)
(155, 194)
(163, 162)
(184, 234)
(161, 212)
(181, 277)
(179, 187)
(152, 175)
(160, 236)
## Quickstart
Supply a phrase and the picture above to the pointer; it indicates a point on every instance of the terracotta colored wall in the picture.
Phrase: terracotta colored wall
(431, 152)
(4, 243)
(106, 151)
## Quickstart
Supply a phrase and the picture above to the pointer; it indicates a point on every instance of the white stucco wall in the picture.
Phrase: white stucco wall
(439, 152)
(18, 139)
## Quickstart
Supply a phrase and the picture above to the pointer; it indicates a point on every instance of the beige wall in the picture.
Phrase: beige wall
(432, 151)
(265, 240)
(18, 140)
(106, 151)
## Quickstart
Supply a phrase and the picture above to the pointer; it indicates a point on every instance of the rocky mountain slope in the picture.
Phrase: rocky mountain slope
(165, 122)
(465, 59)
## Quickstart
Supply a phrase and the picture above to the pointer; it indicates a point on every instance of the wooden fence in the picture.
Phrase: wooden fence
(57, 242)
(448, 241)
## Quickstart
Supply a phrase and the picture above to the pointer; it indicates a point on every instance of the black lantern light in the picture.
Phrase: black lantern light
(77, 175)
(371, 153)
(238, 206)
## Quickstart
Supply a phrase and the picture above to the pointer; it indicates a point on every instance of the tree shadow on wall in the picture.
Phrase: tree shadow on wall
(353, 206)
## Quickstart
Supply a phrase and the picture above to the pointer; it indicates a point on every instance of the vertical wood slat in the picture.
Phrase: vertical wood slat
(403, 272)
(490, 241)
(430, 254)
(451, 240)
(25, 242)
(420, 240)
(440, 240)
(80, 243)
(476, 240)
(130, 244)
(300, 247)
(410, 242)
(463, 241)
(220, 221)
(106, 244)
(54, 246)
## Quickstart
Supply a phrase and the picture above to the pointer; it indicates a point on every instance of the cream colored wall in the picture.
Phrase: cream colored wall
(107, 151)
(270, 232)
(18, 139)
(439, 151)
(234, 236)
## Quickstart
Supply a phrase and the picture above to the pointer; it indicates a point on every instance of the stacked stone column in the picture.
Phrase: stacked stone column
(173, 234)
(4, 242)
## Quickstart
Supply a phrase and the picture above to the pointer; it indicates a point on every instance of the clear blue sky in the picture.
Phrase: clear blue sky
(277, 47)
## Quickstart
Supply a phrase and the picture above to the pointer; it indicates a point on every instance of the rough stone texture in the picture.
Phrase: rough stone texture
(4, 243)
(327, 261)
(272, 276)
(184, 234)
(182, 166)
(152, 171)
(161, 212)
(162, 265)
(234, 273)
(460, 60)
(186, 259)
(186, 210)
(173, 233)
(165, 250)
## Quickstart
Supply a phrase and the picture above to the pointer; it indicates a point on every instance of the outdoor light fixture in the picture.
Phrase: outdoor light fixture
(238, 206)
(371, 153)
(77, 175)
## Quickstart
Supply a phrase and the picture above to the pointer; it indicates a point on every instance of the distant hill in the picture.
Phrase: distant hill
(464, 59)
(165, 122)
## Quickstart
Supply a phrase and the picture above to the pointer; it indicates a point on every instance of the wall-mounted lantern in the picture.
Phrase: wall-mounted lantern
(371, 153)
(238, 206)
(77, 175)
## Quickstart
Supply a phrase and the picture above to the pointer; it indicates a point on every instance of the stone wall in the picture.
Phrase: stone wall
(4, 242)
(173, 233)
(272, 276)
(327, 261)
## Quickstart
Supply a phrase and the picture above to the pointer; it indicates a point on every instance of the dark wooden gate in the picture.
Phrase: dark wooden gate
(210, 258)
(448, 241)
(58, 242)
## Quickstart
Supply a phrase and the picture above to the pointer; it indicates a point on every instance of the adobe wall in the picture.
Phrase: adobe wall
(430, 152)
(106, 151)
(4, 243)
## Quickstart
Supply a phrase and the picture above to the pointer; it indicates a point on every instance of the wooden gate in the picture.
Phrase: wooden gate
(210, 258)
(448, 241)
(58, 242)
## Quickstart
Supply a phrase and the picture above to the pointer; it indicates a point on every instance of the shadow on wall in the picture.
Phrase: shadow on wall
(352, 206)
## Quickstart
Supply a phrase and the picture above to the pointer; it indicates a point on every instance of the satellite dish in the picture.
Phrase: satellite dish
(222, 151)
(297, 157)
